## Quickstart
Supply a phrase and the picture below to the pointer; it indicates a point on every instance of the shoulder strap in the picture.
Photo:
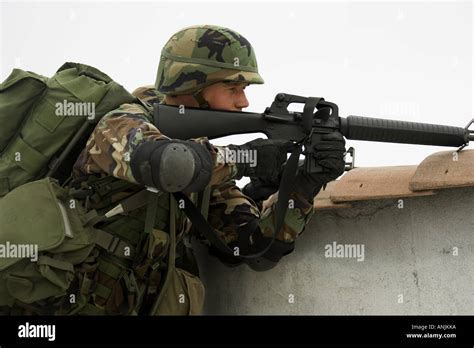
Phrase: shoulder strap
(203, 201)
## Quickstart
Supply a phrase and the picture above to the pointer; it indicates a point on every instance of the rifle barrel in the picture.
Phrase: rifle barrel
(395, 131)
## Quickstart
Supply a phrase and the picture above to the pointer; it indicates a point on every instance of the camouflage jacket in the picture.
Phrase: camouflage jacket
(231, 213)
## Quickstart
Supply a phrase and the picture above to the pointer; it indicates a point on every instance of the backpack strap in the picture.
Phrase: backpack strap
(171, 257)
(113, 244)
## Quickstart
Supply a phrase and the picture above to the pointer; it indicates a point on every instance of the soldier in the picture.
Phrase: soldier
(206, 67)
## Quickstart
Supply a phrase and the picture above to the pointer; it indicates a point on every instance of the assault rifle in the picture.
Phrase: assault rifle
(318, 117)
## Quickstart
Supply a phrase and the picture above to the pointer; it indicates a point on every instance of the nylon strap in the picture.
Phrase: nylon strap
(150, 212)
(113, 244)
(46, 260)
(203, 201)
(136, 201)
(171, 256)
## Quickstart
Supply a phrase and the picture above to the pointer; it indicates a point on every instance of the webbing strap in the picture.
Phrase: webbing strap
(114, 244)
(46, 260)
(135, 201)
(86, 284)
(111, 269)
(151, 212)
(92, 218)
(171, 256)
(150, 218)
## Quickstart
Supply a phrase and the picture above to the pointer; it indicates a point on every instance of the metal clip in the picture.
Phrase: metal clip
(350, 165)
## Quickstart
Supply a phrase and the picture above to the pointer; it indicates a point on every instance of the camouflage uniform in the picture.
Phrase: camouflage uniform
(217, 55)
(110, 147)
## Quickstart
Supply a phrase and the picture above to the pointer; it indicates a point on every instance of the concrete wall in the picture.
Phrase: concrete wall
(408, 251)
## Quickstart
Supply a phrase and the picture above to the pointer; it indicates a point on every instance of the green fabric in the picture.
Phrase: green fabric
(32, 131)
(17, 95)
(31, 205)
(102, 291)
(4, 186)
(109, 268)
(35, 207)
(127, 231)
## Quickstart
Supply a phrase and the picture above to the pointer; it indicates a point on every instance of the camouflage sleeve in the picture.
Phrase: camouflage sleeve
(119, 133)
(148, 94)
(241, 222)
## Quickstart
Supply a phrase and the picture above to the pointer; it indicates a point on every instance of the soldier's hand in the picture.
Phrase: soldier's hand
(330, 156)
(269, 158)
(260, 189)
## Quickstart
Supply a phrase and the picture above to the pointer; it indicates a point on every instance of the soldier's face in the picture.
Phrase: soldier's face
(226, 96)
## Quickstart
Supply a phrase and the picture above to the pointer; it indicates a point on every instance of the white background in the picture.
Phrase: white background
(398, 60)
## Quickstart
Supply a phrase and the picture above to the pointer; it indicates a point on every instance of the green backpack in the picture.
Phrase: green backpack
(50, 251)
(44, 120)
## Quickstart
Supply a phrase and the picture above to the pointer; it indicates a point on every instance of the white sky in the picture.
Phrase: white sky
(398, 60)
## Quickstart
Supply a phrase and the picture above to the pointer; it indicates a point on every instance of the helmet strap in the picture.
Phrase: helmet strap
(203, 104)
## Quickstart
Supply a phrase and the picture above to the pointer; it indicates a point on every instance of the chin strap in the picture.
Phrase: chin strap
(203, 104)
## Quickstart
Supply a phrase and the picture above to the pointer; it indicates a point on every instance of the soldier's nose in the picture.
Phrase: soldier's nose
(242, 101)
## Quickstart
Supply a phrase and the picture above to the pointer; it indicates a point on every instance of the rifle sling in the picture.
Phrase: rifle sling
(281, 206)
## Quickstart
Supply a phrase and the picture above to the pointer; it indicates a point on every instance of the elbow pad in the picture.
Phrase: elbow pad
(172, 165)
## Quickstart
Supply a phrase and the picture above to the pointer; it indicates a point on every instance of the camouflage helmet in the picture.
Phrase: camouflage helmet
(198, 56)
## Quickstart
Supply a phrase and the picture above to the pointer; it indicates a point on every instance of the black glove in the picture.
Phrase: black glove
(329, 154)
(270, 156)
(260, 189)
